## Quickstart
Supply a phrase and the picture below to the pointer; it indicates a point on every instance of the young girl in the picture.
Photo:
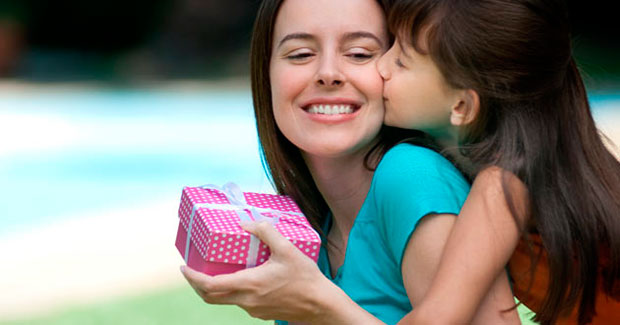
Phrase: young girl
(502, 73)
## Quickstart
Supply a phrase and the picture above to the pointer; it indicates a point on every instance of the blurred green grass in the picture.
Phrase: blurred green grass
(172, 306)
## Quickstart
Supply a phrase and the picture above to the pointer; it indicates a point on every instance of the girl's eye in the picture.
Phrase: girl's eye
(399, 63)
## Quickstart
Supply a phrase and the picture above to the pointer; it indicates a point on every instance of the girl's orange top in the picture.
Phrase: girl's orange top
(607, 307)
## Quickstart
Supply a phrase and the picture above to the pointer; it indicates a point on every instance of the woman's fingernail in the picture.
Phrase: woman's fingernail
(182, 268)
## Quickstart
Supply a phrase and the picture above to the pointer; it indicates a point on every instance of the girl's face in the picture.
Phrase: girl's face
(416, 94)
(326, 91)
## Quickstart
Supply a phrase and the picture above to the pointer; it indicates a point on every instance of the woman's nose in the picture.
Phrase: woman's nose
(329, 73)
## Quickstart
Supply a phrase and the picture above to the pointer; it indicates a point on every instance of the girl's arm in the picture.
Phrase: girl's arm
(470, 280)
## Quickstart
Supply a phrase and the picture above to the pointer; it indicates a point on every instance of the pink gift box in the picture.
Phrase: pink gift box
(219, 245)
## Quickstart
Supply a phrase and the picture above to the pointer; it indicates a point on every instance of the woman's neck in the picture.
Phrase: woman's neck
(344, 183)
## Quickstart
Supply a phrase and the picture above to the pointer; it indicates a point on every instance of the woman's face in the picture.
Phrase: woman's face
(326, 91)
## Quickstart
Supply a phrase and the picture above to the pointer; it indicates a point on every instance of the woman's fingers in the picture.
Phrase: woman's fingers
(242, 280)
(207, 283)
(223, 289)
(260, 290)
(224, 298)
(268, 235)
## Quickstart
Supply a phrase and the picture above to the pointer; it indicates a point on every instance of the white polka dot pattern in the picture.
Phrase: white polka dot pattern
(219, 238)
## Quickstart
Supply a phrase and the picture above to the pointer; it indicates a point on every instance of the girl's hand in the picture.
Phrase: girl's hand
(289, 286)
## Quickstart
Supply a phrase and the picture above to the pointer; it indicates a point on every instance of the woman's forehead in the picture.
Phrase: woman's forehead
(329, 17)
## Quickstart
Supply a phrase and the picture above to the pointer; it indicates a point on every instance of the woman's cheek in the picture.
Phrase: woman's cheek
(369, 81)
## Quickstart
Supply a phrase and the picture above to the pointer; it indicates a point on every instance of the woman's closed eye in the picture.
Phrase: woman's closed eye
(360, 55)
(399, 63)
(299, 56)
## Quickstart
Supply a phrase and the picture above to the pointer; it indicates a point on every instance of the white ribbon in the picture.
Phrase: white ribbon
(245, 211)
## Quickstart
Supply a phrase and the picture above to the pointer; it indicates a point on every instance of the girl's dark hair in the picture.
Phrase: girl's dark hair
(281, 159)
(535, 122)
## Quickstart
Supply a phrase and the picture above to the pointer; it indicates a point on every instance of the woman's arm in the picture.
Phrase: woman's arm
(470, 284)
(289, 286)
(423, 254)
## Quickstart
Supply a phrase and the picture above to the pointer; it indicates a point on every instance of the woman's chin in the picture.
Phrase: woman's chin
(330, 149)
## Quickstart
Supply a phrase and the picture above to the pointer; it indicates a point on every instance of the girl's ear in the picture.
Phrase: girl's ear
(466, 108)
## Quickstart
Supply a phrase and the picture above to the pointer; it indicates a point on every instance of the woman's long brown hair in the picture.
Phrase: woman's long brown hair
(281, 159)
(535, 122)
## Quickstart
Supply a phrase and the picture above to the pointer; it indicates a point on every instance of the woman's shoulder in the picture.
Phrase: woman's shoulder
(411, 151)
(407, 160)
(408, 174)
(412, 182)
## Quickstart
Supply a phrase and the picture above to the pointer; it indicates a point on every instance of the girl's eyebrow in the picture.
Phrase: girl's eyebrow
(403, 49)
(302, 36)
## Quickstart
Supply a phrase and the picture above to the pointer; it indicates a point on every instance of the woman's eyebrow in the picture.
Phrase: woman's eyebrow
(302, 36)
(345, 38)
(361, 34)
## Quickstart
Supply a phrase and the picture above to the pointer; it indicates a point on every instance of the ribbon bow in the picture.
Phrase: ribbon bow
(245, 211)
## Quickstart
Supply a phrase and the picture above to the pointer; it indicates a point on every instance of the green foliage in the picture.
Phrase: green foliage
(175, 306)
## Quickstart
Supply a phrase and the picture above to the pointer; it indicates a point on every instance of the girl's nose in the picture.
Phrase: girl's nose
(383, 65)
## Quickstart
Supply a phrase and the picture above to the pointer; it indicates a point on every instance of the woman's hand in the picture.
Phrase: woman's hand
(289, 286)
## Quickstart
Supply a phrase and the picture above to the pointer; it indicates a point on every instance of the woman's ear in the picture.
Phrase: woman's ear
(466, 108)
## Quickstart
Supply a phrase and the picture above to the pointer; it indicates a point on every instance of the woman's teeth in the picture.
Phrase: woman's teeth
(330, 109)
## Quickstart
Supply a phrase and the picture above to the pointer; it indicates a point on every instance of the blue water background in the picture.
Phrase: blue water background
(126, 148)
(137, 147)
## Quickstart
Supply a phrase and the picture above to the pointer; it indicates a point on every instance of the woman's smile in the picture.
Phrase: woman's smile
(326, 91)
(331, 110)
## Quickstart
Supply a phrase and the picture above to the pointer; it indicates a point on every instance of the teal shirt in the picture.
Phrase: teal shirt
(409, 183)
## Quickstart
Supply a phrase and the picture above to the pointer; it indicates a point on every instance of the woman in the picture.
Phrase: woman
(319, 108)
